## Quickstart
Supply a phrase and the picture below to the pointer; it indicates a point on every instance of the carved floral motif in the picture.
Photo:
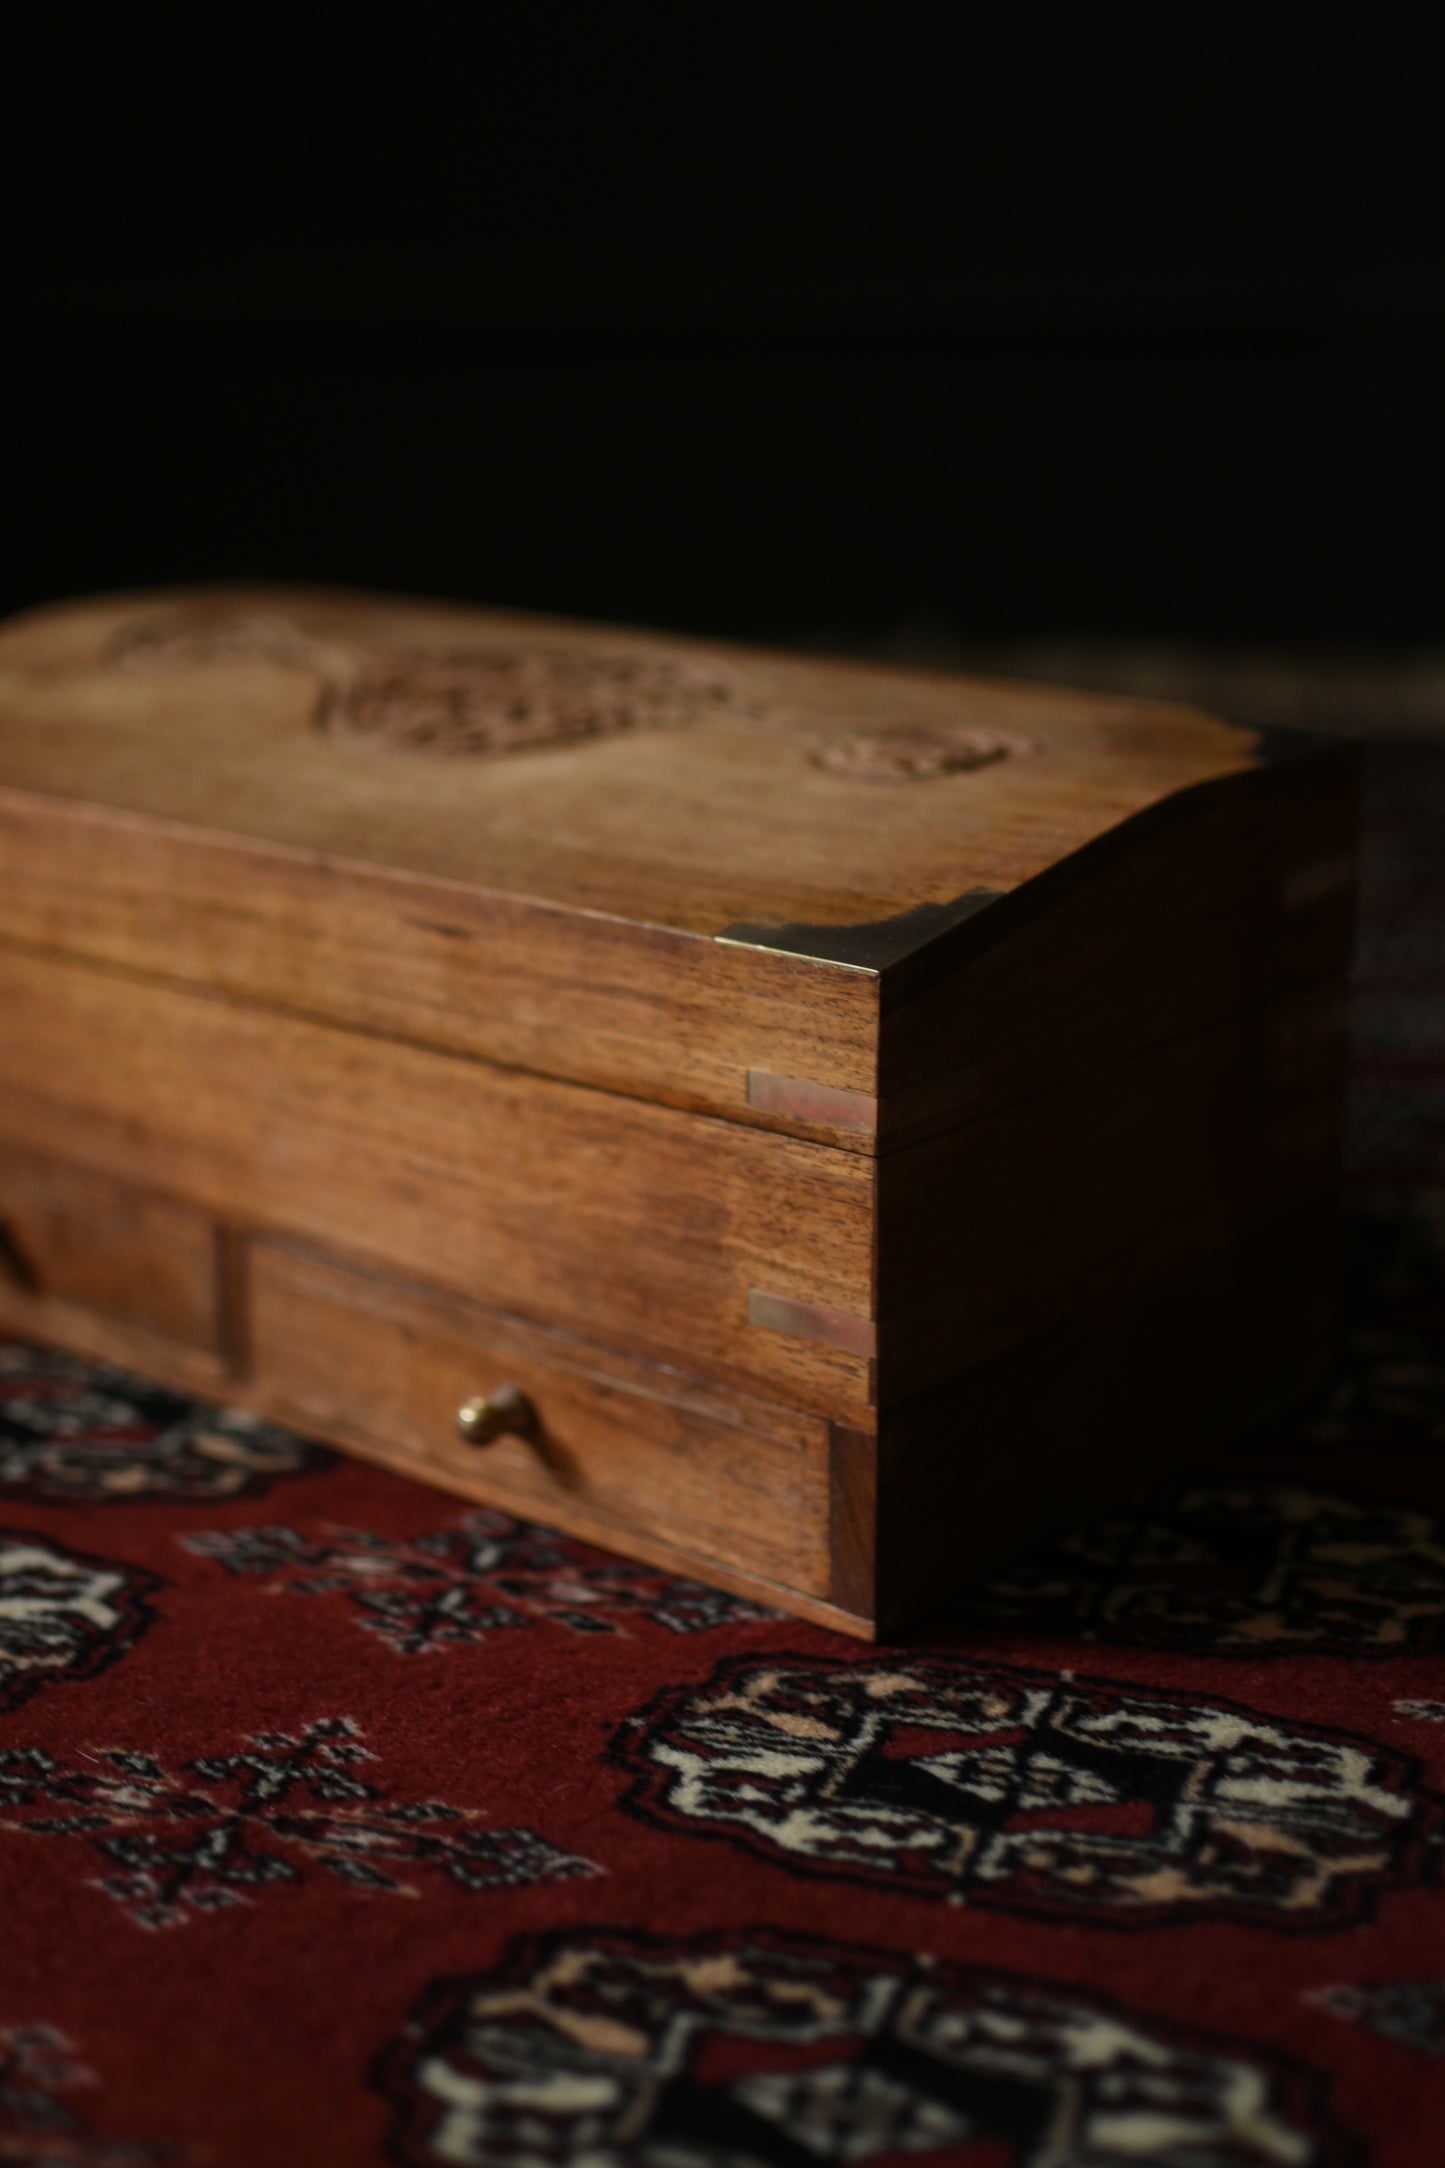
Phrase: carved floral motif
(511, 700)
(485, 699)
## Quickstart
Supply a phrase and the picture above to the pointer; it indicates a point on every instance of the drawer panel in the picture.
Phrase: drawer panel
(618, 1447)
(78, 1238)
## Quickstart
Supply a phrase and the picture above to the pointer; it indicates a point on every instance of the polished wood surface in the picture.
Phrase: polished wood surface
(729, 820)
(49, 1320)
(1240, 891)
(648, 1012)
(79, 1238)
(998, 1228)
(569, 909)
(630, 1223)
(863, 1113)
(618, 1446)
(1228, 898)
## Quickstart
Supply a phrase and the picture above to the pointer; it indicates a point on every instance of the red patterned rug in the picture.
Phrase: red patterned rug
(341, 1824)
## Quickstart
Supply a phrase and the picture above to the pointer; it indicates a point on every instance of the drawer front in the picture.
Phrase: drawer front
(81, 1239)
(617, 1448)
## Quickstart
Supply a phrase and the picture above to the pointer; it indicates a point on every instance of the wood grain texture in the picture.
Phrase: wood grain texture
(629, 1223)
(80, 1239)
(652, 1013)
(187, 1370)
(1238, 893)
(402, 994)
(555, 910)
(853, 1519)
(694, 828)
(618, 1445)
(51, 1321)
(998, 1228)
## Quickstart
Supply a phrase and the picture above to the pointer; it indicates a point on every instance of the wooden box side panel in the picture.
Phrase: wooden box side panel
(634, 1009)
(638, 1226)
(99, 1336)
(1238, 893)
(69, 1237)
(991, 1233)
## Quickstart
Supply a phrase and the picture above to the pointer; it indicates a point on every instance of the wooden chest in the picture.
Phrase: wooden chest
(813, 1127)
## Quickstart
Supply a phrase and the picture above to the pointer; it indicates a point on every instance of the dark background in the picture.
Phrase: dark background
(756, 324)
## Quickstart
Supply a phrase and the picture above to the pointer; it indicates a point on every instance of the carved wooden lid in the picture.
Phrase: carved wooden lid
(718, 792)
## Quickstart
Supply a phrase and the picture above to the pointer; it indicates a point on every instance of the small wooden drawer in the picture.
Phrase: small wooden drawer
(71, 1239)
(616, 1450)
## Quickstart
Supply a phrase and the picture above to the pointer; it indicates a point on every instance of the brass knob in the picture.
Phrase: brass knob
(490, 1415)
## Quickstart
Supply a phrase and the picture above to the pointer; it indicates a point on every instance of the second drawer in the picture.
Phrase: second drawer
(616, 1447)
